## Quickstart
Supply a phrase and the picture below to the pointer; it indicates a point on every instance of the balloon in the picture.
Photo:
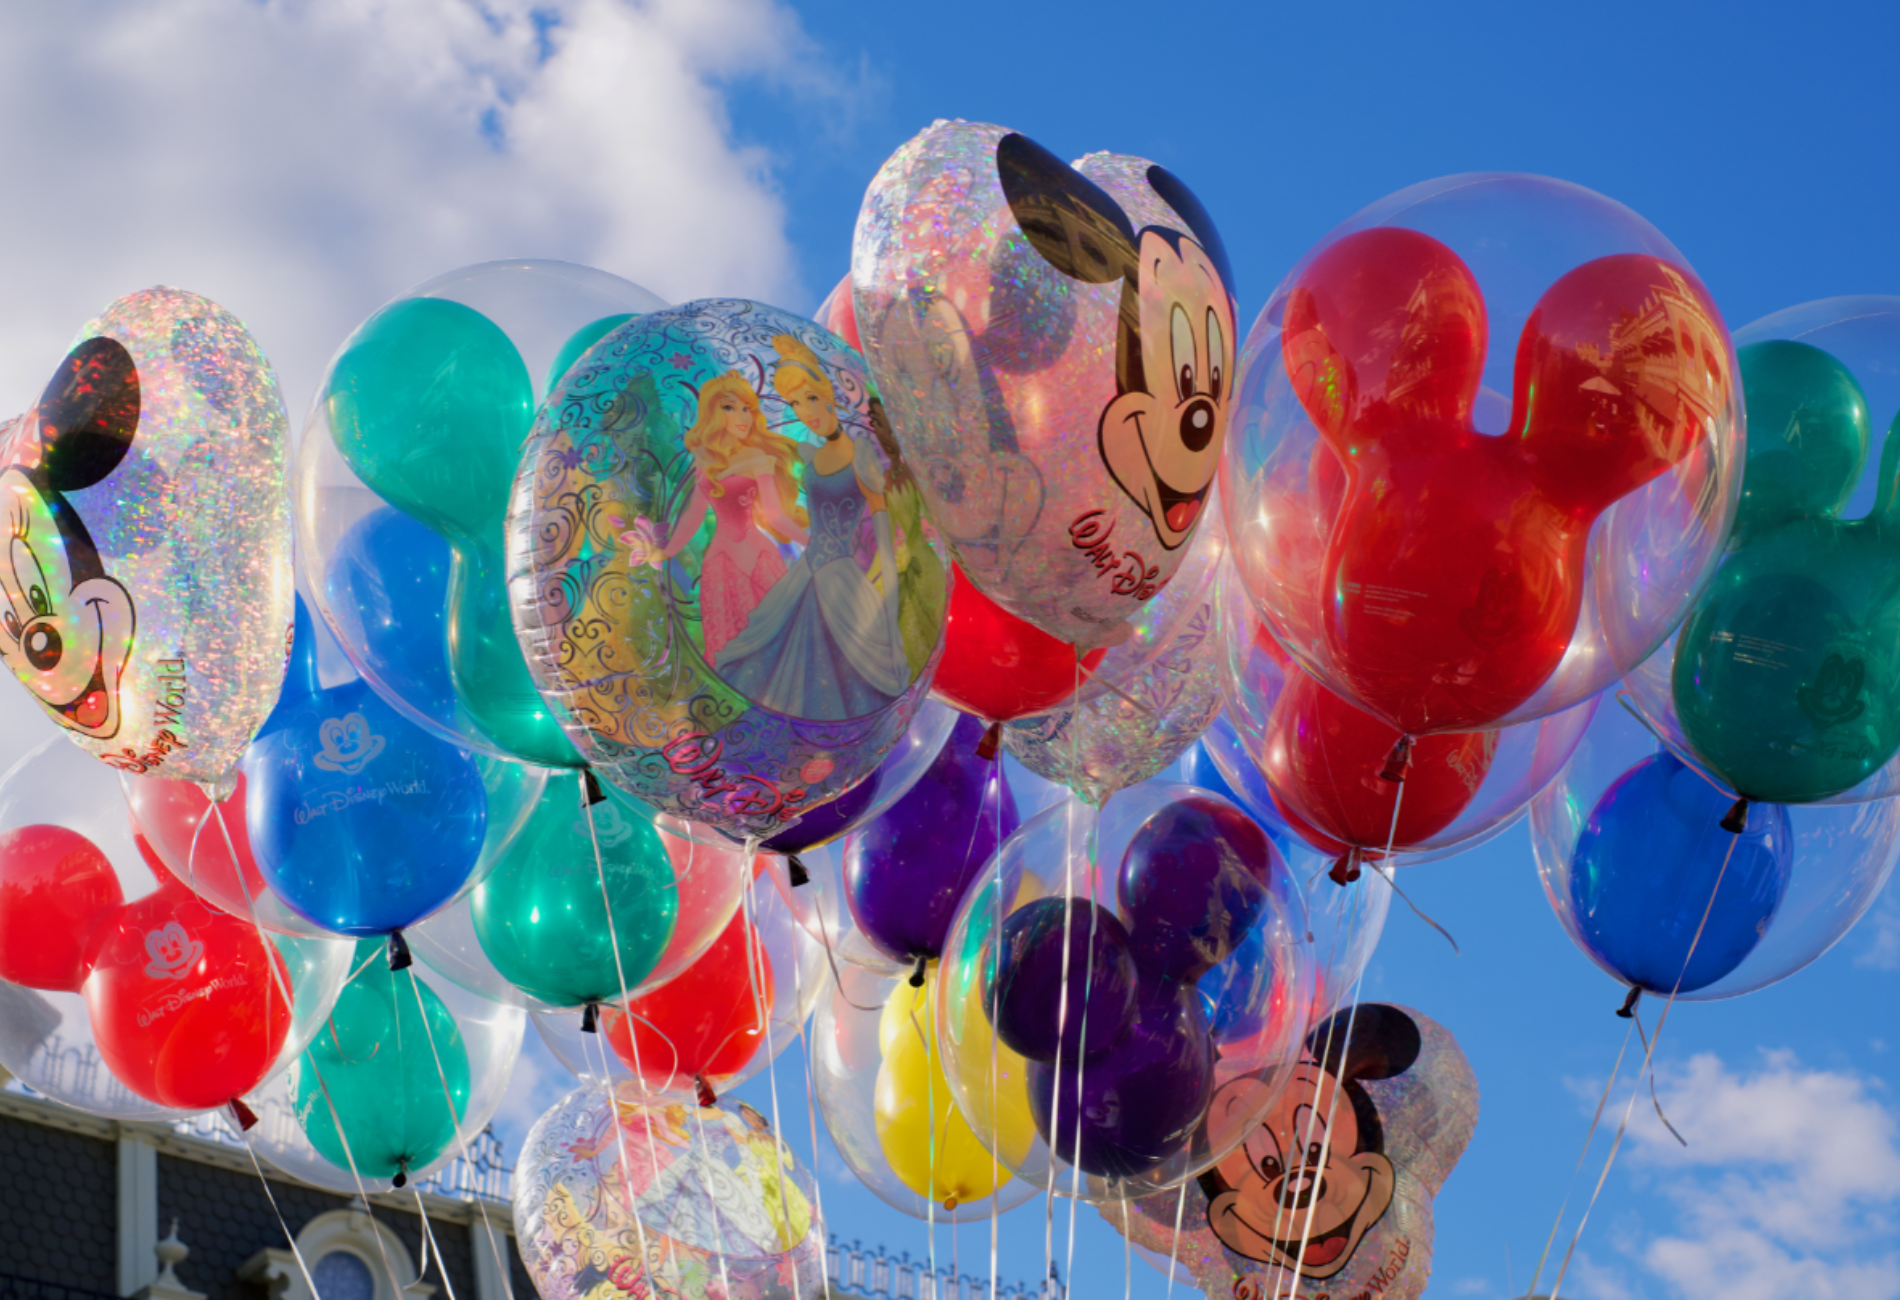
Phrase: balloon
(878, 1079)
(664, 1200)
(382, 1089)
(1056, 345)
(570, 924)
(996, 666)
(1355, 1216)
(713, 593)
(190, 1007)
(148, 598)
(905, 872)
(424, 409)
(1055, 887)
(1430, 550)
(55, 886)
(1630, 845)
(866, 801)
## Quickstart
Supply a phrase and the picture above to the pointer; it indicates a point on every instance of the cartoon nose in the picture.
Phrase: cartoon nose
(1197, 424)
(1301, 1188)
(43, 647)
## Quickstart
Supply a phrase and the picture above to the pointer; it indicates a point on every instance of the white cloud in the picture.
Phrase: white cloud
(1882, 929)
(302, 161)
(1790, 1186)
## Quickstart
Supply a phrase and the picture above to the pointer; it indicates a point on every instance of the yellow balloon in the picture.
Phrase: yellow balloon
(924, 1137)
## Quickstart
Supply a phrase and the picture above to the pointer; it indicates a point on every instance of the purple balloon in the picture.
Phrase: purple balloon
(1138, 1104)
(826, 822)
(1026, 990)
(907, 870)
(1192, 886)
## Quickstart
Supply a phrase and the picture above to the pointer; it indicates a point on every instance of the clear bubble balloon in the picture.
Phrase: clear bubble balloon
(124, 993)
(1148, 958)
(1640, 869)
(867, 800)
(1450, 560)
(402, 482)
(665, 1200)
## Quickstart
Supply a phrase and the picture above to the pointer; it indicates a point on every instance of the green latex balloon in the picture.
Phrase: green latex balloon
(1787, 672)
(540, 914)
(582, 339)
(391, 1066)
(429, 404)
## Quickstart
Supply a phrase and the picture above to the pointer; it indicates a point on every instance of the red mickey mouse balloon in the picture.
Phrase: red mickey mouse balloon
(55, 885)
(1441, 576)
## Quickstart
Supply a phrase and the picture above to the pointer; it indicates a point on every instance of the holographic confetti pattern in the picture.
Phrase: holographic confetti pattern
(1391, 1144)
(1056, 346)
(615, 1198)
(149, 590)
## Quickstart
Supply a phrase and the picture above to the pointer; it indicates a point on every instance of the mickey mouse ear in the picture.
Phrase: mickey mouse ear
(89, 414)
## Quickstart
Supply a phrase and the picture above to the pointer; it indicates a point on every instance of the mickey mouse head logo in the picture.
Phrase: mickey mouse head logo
(611, 827)
(1453, 571)
(346, 744)
(171, 952)
(66, 627)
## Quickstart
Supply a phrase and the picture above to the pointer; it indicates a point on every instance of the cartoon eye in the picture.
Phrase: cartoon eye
(13, 625)
(1183, 340)
(1216, 355)
(26, 586)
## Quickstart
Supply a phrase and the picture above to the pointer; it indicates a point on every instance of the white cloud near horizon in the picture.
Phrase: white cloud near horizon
(303, 161)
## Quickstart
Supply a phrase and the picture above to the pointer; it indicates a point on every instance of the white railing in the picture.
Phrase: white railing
(875, 1274)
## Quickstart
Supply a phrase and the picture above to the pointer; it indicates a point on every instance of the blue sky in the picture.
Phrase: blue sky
(303, 162)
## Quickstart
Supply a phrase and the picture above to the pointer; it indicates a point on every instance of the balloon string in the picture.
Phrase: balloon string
(702, 1158)
(1128, 1255)
(1390, 875)
(1649, 1050)
(824, 935)
(1174, 1248)
(448, 1093)
(356, 1174)
(626, 1164)
(1081, 1053)
(1636, 1019)
(930, 1145)
(811, 1113)
(296, 1253)
(1589, 1137)
(428, 1241)
(1629, 707)
(996, 1083)
(755, 956)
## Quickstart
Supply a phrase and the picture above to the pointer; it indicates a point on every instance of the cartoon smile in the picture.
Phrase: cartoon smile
(1319, 1248)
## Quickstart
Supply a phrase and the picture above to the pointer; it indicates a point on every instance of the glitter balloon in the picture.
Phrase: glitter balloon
(148, 603)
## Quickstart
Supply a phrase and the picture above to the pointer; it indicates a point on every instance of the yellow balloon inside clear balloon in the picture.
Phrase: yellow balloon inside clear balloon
(924, 1137)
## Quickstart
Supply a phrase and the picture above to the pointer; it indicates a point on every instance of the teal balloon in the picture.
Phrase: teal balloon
(582, 339)
(390, 1067)
(541, 914)
(1786, 678)
(430, 404)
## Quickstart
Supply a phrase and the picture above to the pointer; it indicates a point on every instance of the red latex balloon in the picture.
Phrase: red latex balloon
(705, 1022)
(1453, 574)
(1323, 762)
(169, 814)
(998, 667)
(186, 1002)
(55, 885)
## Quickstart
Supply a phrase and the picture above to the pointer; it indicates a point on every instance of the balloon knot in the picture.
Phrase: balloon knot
(950, 1204)
(1346, 869)
(1628, 1008)
(986, 747)
(917, 971)
(590, 786)
(590, 1018)
(1398, 762)
(399, 958)
(245, 1116)
(707, 1097)
(402, 1177)
(795, 869)
(1737, 819)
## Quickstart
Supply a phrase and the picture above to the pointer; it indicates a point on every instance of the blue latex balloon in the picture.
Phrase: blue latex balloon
(362, 822)
(394, 574)
(300, 670)
(1649, 859)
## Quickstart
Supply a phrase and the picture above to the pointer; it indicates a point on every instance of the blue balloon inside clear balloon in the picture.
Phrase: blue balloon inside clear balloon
(1199, 766)
(393, 573)
(1647, 863)
(362, 822)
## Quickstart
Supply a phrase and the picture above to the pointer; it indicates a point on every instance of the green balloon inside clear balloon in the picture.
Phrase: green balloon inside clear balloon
(1785, 671)
(541, 913)
(389, 1067)
(430, 403)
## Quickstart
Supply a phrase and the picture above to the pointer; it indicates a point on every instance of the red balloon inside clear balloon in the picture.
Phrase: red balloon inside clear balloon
(55, 886)
(187, 1003)
(1000, 668)
(172, 817)
(1453, 573)
(704, 1023)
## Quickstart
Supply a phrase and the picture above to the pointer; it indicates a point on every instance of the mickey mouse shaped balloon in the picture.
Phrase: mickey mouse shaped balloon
(145, 600)
(1335, 1184)
(1056, 345)
(1431, 552)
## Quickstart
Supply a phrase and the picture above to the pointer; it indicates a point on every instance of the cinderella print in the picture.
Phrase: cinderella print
(824, 643)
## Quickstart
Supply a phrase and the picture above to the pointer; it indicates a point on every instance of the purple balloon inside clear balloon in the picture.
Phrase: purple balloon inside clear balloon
(906, 872)
(1193, 883)
(1128, 1110)
(1033, 1016)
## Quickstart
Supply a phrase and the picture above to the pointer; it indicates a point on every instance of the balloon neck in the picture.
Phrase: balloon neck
(917, 971)
(246, 1117)
(1628, 1009)
(704, 1091)
(1736, 819)
(1398, 762)
(1345, 869)
(590, 1018)
(591, 793)
(986, 747)
(950, 1204)
(795, 870)
(399, 957)
(402, 1176)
